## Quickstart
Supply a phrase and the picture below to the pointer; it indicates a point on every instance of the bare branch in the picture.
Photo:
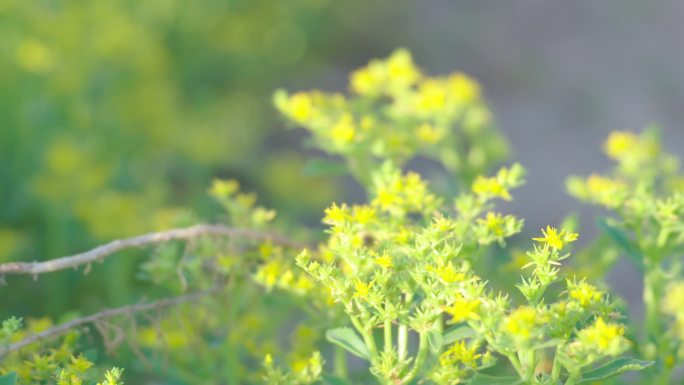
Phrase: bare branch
(100, 252)
(103, 315)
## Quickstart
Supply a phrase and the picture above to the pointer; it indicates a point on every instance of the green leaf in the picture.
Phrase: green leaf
(8, 379)
(328, 379)
(436, 341)
(614, 368)
(485, 379)
(318, 167)
(621, 239)
(349, 340)
(457, 333)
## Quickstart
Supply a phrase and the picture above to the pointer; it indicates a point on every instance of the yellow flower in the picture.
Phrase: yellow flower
(490, 187)
(300, 107)
(429, 134)
(460, 353)
(463, 88)
(495, 222)
(554, 239)
(224, 188)
(369, 79)
(431, 96)
(401, 72)
(361, 289)
(605, 338)
(584, 293)
(448, 273)
(335, 215)
(522, 321)
(386, 198)
(463, 309)
(385, 261)
(620, 143)
(344, 131)
(363, 214)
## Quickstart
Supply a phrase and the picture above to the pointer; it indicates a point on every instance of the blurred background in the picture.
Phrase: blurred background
(116, 115)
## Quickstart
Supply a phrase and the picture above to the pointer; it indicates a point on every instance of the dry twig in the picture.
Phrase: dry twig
(99, 253)
(99, 317)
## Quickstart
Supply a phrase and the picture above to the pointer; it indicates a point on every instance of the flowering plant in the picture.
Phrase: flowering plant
(397, 291)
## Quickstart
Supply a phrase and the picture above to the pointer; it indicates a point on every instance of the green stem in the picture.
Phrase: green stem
(388, 335)
(423, 348)
(572, 379)
(516, 364)
(651, 299)
(340, 357)
(402, 341)
(370, 342)
(530, 364)
(556, 369)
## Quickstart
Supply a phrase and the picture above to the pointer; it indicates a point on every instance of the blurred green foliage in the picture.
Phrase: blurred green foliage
(114, 113)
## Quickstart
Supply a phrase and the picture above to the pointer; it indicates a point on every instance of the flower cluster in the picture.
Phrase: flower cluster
(643, 191)
(403, 261)
(396, 112)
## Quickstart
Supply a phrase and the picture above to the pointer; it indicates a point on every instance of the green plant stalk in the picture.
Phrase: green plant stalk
(556, 369)
(367, 334)
(402, 341)
(653, 291)
(388, 335)
(340, 362)
(572, 379)
(423, 348)
(651, 297)
(527, 364)
(516, 364)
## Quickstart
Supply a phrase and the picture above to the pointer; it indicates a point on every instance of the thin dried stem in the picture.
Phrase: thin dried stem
(101, 252)
(101, 316)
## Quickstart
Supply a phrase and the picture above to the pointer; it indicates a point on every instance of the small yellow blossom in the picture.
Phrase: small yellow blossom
(584, 293)
(448, 272)
(386, 198)
(522, 321)
(363, 214)
(490, 187)
(555, 239)
(401, 72)
(224, 188)
(463, 309)
(344, 131)
(361, 289)
(335, 215)
(620, 143)
(463, 88)
(494, 222)
(429, 134)
(300, 107)
(431, 96)
(384, 260)
(460, 353)
(605, 338)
